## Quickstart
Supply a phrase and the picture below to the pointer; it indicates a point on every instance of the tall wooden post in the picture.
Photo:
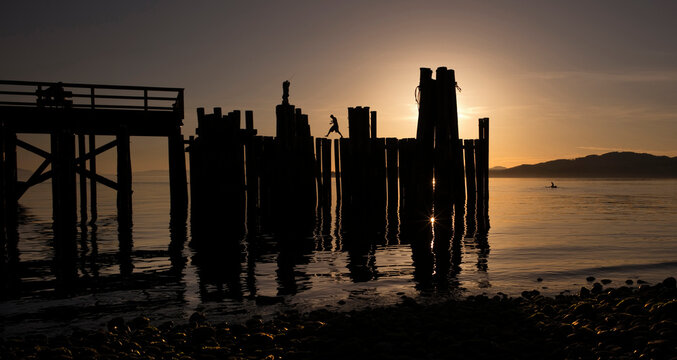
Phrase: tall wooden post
(469, 146)
(10, 188)
(373, 125)
(318, 171)
(425, 142)
(471, 195)
(92, 181)
(64, 204)
(326, 172)
(337, 171)
(124, 167)
(83, 182)
(391, 169)
(3, 240)
(178, 183)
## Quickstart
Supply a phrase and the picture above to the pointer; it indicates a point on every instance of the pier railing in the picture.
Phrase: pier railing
(90, 96)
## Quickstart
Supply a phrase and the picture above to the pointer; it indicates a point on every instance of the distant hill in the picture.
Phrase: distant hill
(613, 164)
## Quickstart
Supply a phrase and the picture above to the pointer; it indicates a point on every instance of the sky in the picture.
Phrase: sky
(558, 79)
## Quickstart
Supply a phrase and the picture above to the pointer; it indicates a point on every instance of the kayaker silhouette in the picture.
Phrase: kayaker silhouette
(552, 185)
(334, 126)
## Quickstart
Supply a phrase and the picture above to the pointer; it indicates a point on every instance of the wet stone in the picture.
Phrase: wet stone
(590, 279)
(670, 282)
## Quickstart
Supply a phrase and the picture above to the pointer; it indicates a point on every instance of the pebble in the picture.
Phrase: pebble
(590, 279)
(620, 323)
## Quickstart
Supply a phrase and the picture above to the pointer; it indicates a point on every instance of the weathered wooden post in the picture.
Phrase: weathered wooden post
(83, 182)
(373, 125)
(3, 239)
(92, 181)
(425, 142)
(337, 171)
(345, 157)
(178, 183)
(318, 170)
(471, 198)
(124, 168)
(64, 204)
(445, 115)
(391, 166)
(326, 172)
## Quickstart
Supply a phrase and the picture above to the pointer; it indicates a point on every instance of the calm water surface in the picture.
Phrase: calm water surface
(615, 229)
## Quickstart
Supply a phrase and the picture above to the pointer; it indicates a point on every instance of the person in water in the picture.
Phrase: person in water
(334, 126)
(552, 185)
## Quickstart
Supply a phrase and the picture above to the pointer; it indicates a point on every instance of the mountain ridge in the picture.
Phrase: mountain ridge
(610, 165)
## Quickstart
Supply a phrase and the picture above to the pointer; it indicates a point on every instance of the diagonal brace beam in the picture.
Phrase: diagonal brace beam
(34, 149)
(99, 150)
(96, 177)
(33, 180)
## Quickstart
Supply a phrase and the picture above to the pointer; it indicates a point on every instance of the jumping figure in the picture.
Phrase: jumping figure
(334, 126)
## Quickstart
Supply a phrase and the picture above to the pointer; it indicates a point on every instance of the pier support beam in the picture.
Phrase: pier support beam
(83, 183)
(178, 184)
(92, 182)
(124, 167)
(64, 205)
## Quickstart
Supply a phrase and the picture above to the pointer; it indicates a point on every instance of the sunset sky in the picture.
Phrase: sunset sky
(558, 79)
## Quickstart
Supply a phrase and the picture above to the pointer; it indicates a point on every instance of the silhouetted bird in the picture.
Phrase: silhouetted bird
(334, 126)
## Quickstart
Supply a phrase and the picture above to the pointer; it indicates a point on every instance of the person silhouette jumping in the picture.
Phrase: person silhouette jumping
(334, 126)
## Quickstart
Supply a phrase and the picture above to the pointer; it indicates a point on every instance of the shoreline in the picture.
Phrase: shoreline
(623, 322)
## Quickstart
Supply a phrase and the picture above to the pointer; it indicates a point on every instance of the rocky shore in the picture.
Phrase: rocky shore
(627, 322)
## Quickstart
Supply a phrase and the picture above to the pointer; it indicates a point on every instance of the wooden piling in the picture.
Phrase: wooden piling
(124, 176)
(249, 120)
(83, 181)
(92, 182)
(391, 170)
(425, 143)
(318, 170)
(178, 183)
(469, 147)
(337, 171)
(471, 194)
(373, 125)
(344, 157)
(64, 204)
(3, 230)
(10, 187)
(326, 171)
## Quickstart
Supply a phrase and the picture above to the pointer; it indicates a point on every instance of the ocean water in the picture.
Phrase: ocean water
(610, 229)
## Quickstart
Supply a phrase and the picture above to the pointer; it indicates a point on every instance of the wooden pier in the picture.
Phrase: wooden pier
(66, 111)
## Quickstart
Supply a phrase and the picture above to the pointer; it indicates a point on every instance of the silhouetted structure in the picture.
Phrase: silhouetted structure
(64, 110)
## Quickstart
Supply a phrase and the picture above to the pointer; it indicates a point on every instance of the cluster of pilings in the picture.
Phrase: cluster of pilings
(279, 183)
(243, 182)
